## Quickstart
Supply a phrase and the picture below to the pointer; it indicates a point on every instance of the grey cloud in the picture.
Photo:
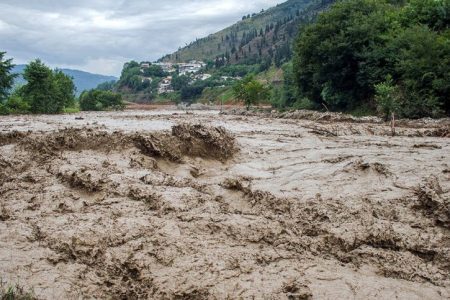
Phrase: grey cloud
(100, 35)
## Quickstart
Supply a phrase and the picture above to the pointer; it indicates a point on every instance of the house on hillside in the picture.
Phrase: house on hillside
(191, 67)
(202, 76)
(166, 67)
(165, 86)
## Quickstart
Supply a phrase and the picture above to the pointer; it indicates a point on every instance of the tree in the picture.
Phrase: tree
(329, 66)
(47, 91)
(387, 102)
(250, 91)
(6, 78)
(154, 71)
(65, 88)
(180, 82)
(107, 86)
(97, 100)
(433, 13)
(40, 89)
(344, 57)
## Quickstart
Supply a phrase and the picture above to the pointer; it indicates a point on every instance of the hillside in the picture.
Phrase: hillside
(256, 38)
(82, 80)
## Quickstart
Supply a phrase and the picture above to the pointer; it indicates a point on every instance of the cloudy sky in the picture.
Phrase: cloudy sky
(100, 35)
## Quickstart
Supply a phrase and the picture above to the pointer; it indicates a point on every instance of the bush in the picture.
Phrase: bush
(16, 105)
(387, 102)
(304, 103)
(250, 91)
(4, 110)
(96, 100)
(15, 292)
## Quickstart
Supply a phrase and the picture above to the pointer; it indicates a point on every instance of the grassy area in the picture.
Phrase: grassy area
(272, 76)
(15, 292)
(217, 95)
(72, 110)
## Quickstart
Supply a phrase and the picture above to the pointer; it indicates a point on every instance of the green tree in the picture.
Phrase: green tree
(387, 102)
(97, 100)
(65, 88)
(131, 78)
(154, 71)
(6, 77)
(180, 82)
(250, 91)
(433, 13)
(329, 64)
(107, 86)
(41, 89)
(422, 70)
(47, 91)
(343, 58)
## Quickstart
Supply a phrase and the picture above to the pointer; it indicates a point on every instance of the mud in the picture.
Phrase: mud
(168, 205)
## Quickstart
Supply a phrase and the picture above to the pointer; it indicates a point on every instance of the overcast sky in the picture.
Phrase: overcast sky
(100, 35)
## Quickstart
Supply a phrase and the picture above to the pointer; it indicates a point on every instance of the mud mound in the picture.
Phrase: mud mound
(433, 201)
(52, 144)
(259, 200)
(443, 132)
(307, 115)
(189, 140)
(185, 139)
(362, 166)
(205, 141)
(151, 199)
(84, 179)
(159, 145)
(12, 137)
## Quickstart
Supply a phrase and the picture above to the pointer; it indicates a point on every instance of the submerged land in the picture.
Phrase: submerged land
(202, 205)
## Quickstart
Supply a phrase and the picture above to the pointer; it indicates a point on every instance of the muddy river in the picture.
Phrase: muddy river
(201, 205)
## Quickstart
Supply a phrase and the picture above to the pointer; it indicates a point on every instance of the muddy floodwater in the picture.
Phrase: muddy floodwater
(202, 205)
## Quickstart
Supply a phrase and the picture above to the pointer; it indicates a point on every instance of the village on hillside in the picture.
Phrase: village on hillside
(193, 69)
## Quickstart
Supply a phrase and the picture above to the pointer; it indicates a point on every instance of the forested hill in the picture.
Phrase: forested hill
(82, 80)
(256, 38)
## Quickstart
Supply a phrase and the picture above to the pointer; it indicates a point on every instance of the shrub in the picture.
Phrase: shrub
(386, 100)
(96, 100)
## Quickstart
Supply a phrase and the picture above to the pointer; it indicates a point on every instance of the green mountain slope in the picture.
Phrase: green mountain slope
(82, 80)
(263, 36)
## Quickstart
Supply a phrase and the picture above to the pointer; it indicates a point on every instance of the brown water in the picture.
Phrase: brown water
(114, 205)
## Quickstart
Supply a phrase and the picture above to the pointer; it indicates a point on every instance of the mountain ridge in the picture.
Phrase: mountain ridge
(257, 37)
(83, 80)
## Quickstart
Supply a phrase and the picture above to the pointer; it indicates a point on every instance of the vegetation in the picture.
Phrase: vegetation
(250, 91)
(6, 78)
(386, 98)
(132, 79)
(45, 91)
(83, 81)
(17, 292)
(97, 100)
(343, 59)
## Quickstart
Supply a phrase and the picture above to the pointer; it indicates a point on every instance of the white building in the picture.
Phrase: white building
(166, 67)
(165, 86)
(190, 68)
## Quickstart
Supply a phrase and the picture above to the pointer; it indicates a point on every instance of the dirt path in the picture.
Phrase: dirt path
(142, 205)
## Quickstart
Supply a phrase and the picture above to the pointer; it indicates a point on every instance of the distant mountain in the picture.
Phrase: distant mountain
(257, 37)
(82, 80)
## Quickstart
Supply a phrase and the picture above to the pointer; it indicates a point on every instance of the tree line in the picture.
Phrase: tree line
(47, 91)
(390, 56)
